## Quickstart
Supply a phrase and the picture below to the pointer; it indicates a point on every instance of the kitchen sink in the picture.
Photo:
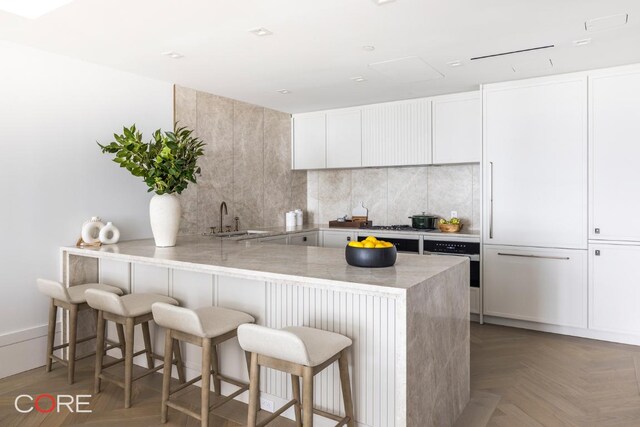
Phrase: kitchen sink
(239, 234)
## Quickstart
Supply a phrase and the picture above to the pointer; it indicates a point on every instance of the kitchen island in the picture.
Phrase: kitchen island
(409, 323)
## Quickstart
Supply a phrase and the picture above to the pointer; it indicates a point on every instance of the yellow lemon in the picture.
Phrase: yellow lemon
(369, 244)
(370, 239)
(380, 245)
(356, 244)
(388, 245)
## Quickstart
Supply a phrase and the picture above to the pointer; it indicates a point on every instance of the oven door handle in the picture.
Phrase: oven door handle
(472, 257)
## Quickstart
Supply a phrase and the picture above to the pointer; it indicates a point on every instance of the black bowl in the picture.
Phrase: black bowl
(371, 257)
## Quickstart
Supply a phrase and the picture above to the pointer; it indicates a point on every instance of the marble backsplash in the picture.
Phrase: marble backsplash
(394, 194)
(247, 163)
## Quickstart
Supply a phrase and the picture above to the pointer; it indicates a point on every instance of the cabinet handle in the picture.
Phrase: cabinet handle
(491, 200)
(534, 256)
(348, 238)
(304, 239)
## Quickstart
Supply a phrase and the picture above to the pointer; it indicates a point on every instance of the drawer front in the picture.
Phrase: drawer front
(534, 284)
(306, 239)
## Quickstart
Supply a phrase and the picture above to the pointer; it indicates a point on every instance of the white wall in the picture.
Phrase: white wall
(53, 176)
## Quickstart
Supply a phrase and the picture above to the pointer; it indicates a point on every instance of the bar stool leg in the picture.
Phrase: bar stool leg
(166, 375)
(128, 361)
(179, 363)
(295, 388)
(254, 391)
(51, 333)
(345, 383)
(215, 367)
(206, 381)
(307, 399)
(121, 340)
(147, 344)
(99, 351)
(73, 332)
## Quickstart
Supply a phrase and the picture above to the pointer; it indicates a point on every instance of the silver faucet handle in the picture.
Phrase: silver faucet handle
(227, 228)
(212, 230)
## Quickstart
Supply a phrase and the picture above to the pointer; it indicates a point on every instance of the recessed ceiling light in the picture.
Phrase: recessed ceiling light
(369, 48)
(173, 55)
(31, 9)
(283, 91)
(606, 22)
(261, 32)
(380, 2)
(358, 79)
(454, 64)
(581, 42)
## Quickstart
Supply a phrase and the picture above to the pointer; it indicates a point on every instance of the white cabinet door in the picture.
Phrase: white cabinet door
(344, 139)
(309, 141)
(337, 239)
(614, 291)
(538, 285)
(304, 239)
(614, 108)
(397, 133)
(457, 128)
(535, 141)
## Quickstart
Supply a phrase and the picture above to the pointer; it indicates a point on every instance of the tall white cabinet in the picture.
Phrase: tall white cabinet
(535, 169)
(614, 107)
(535, 200)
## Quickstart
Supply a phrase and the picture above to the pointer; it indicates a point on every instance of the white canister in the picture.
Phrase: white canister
(299, 217)
(91, 230)
(290, 219)
(109, 234)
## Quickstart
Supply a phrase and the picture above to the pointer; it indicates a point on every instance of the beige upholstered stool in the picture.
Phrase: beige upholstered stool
(301, 352)
(128, 310)
(205, 327)
(73, 300)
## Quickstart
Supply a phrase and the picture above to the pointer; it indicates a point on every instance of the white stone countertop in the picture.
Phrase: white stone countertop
(436, 234)
(263, 261)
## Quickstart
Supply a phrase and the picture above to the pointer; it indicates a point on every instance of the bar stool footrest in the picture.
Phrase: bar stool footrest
(183, 409)
(277, 413)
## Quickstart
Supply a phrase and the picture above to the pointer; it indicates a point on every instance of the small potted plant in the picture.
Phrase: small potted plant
(167, 164)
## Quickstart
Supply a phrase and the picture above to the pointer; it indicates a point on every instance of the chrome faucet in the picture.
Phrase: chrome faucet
(222, 205)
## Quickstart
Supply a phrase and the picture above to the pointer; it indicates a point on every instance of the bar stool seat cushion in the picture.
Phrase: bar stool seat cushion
(296, 344)
(204, 322)
(131, 305)
(72, 294)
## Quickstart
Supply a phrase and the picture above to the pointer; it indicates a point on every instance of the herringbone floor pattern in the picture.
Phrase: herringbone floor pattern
(534, 379)
(519, 378)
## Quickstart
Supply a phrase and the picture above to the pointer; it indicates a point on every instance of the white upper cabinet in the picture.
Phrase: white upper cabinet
(457, 128)
(397, 133)
(614, 294)
(614, 116)
(344, 138)
(309, 141)
(535, 182)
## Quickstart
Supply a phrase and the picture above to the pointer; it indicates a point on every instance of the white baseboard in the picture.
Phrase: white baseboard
(24, 350)
(565, 330)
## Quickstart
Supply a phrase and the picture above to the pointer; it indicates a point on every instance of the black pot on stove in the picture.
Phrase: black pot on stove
(424, 221)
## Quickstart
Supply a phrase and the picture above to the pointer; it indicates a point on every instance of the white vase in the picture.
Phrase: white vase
(109, 234)
(164, 214)
(91, 230)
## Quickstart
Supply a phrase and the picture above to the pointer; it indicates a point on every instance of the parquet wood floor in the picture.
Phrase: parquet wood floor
(519, 378)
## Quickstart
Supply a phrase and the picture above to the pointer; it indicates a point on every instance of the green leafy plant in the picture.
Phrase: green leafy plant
(167, 164)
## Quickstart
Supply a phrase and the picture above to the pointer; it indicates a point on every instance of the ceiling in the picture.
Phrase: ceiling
(316, 48)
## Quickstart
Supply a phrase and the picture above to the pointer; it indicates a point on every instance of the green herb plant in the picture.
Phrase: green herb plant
(167, 164)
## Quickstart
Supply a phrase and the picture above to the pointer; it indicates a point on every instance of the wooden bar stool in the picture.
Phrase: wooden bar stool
(73, 300)
(301, 352)
(128, 311)
(205, 327)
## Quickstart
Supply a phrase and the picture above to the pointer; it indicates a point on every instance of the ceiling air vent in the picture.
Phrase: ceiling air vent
(606, 22)
(493, 55)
